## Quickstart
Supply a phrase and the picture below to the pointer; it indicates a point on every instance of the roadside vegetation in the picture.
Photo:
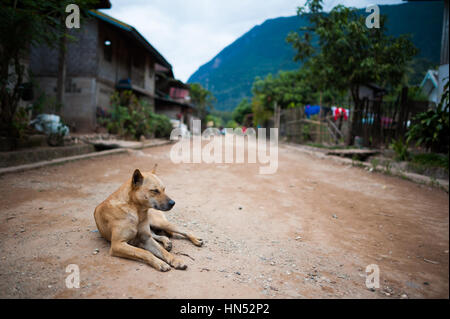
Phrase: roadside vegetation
(203, 101)
(132, 118)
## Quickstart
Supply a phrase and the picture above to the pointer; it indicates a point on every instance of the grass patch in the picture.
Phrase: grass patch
(429, 163)
(431, 160)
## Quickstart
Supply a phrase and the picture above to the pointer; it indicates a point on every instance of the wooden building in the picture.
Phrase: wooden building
(107, 55)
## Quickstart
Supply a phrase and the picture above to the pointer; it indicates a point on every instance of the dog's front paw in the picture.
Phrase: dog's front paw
(197, 242)
(178, 264)
(163, 267)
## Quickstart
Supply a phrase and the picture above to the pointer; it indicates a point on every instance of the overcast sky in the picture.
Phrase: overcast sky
(189, 33)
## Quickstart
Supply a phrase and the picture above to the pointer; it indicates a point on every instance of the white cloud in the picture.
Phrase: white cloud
(190, 33)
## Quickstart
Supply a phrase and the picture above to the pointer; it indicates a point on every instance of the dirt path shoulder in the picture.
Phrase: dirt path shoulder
(308, 231)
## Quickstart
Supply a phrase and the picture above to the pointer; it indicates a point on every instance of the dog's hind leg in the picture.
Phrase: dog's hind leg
(163, 240)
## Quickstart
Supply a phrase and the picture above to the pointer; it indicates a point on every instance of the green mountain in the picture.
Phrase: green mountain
(264, 50)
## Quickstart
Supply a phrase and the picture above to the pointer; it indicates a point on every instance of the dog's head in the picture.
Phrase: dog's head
(147, 190)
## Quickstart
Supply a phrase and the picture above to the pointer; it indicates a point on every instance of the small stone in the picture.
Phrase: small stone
(298, 238)
(426, 283)
(238, 273)
(240, 207)
(404, 296)
(96, 251)
(335, 216)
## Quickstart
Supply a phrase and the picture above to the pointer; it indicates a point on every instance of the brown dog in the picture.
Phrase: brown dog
(126, 216)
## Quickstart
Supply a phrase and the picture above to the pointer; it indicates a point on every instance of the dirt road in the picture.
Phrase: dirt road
(308, 231)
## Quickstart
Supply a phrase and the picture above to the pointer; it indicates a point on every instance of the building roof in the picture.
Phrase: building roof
(134, 33)
(432, 76)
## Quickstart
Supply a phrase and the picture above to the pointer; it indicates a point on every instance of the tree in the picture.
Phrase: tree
(289, 89)
(244, 108)
(217, 121)
(345, 54)
(203, 101)
(24, 24)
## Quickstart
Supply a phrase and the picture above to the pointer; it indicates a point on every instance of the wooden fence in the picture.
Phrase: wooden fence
(377, 123)
(380, 122)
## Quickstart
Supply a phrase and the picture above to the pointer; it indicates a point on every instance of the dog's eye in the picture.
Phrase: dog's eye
(154, 191)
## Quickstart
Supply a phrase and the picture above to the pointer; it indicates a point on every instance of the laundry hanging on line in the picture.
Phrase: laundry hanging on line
(339, 112)
(311, 110)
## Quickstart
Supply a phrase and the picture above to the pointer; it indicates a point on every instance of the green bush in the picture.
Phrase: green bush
(161, 125)
(430, 164)
(431, 128)
(133, 118)
(232, 124)
(215, 119)
(431, 159)
(241, 111)
(401, 150)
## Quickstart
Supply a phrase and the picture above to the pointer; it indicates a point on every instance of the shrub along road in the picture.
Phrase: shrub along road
(308, 231)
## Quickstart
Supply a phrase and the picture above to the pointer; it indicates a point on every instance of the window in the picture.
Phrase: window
(107, 50)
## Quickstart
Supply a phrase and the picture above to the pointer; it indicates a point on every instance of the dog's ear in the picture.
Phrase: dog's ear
(154, 169)
(137, 179)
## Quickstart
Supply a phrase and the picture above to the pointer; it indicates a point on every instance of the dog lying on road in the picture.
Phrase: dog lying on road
(128, 217)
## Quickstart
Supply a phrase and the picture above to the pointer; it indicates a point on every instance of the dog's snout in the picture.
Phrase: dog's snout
(171, 203)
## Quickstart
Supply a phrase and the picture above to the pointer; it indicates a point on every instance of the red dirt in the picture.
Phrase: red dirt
(308, 231)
